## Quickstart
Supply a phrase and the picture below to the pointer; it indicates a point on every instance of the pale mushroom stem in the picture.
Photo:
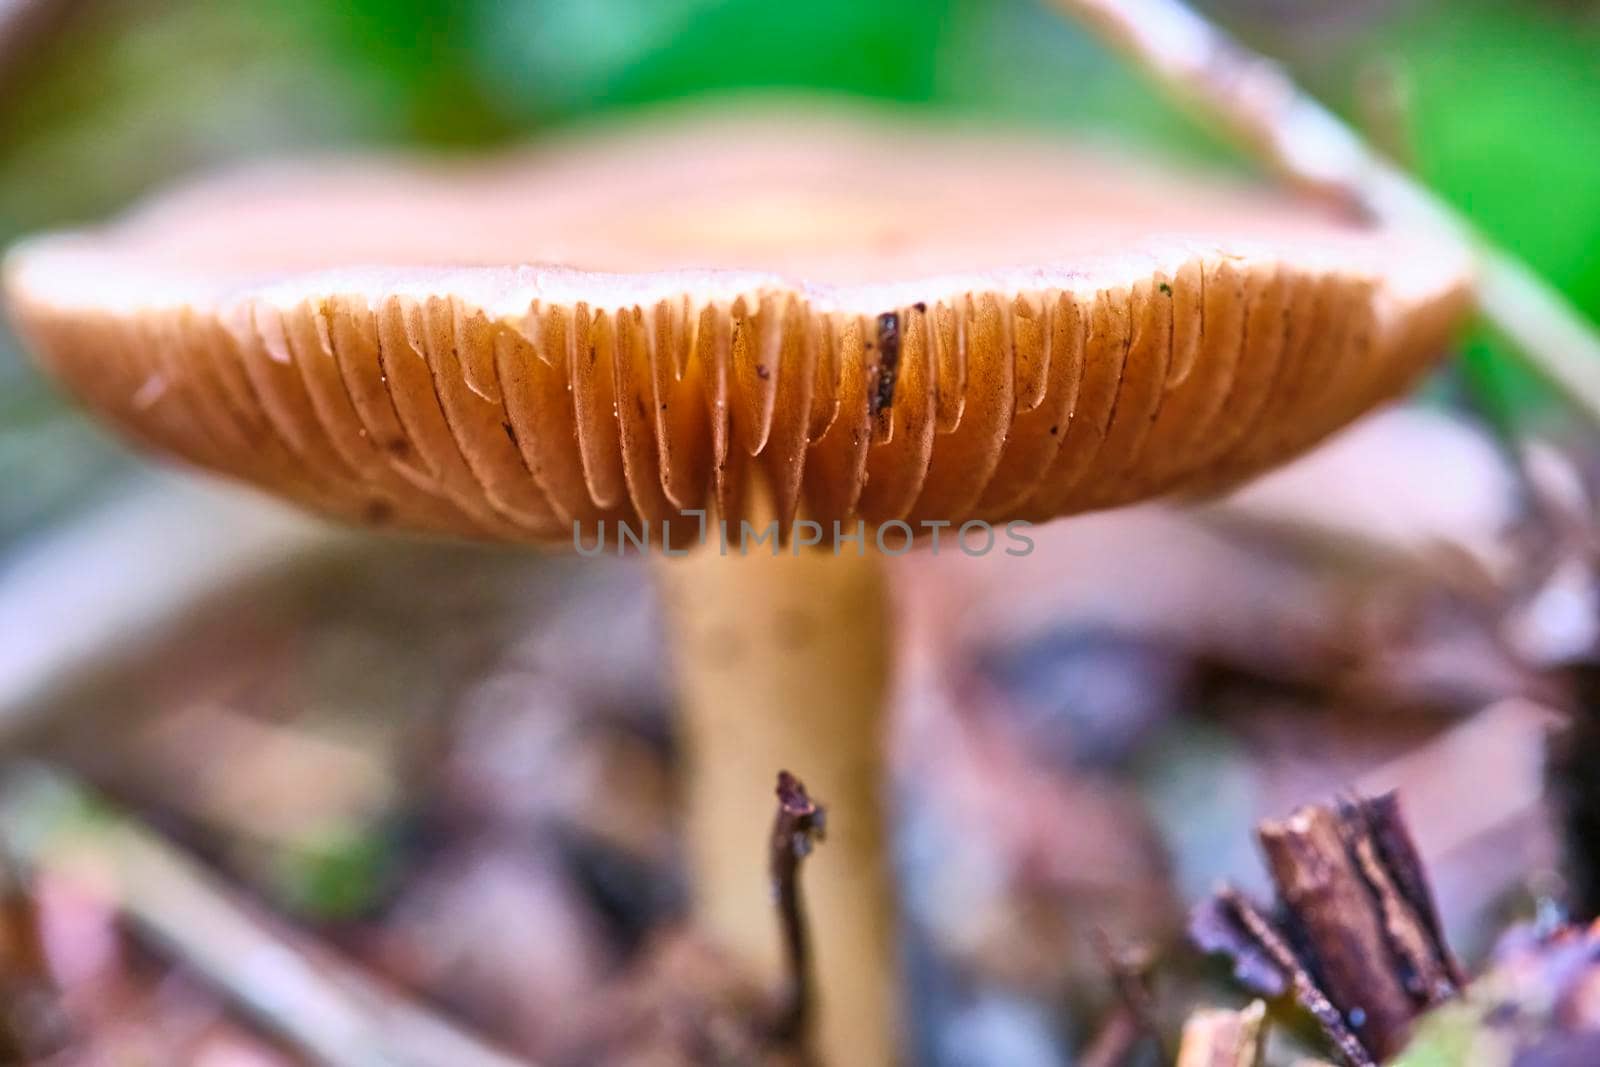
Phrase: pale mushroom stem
(782, 663)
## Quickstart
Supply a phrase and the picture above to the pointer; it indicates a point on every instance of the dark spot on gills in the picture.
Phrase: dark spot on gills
(888, 361)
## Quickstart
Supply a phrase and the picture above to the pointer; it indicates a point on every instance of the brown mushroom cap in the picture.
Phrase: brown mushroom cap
(878, 319)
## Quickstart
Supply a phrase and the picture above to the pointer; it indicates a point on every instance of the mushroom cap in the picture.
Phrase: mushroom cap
(866, 317)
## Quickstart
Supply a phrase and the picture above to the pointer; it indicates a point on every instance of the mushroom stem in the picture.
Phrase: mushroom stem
(782, 664)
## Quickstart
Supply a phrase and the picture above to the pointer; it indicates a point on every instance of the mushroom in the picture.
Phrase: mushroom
(866, 330)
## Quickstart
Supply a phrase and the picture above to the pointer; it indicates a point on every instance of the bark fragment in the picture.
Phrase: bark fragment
(1358, 940)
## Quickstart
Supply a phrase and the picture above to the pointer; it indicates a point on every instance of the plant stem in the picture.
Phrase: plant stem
(1306, 991)
(799, 824)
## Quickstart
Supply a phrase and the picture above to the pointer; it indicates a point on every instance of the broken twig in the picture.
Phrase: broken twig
(687, 1002)
(1377, 836)
(1307, 993)
(1336, 915)
(799, 824)
(1360, 944)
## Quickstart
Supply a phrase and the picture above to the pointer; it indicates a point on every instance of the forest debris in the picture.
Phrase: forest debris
(494, 929)
(1335, 909)
(1376, 833)
(1307, 992)
(1215, 927)
(1046, 856)
(1360, 942)
(796, 828)
(1047, 853)
(1218, 1037)
(1536, 1006)
(333, 1011)
(685, 1004)
(529, 750)
(688, 1005)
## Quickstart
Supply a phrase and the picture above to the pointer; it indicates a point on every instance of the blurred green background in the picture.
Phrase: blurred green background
(1495, 103)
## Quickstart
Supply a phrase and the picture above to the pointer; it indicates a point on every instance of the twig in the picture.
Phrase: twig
(1253, 99)
(1340, 927)
(1306, 991)
(1363, 948)
(1221, 1038)
(1378, 838)
(331, 1010)
(799, 824)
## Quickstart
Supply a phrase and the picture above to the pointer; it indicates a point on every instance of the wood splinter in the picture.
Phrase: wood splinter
(1358, 941)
